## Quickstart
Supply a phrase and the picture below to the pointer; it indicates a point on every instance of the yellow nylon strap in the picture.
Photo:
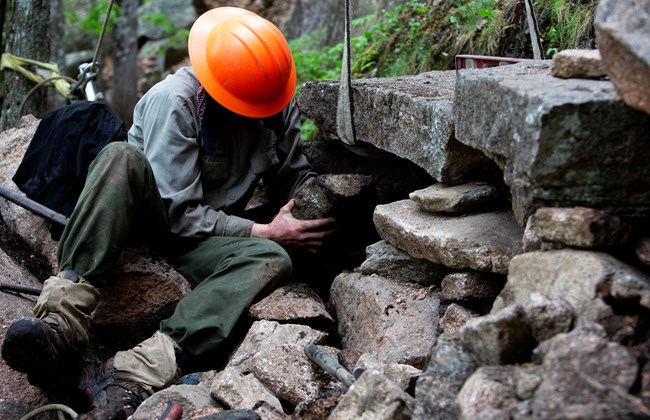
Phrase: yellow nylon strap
(10, 61)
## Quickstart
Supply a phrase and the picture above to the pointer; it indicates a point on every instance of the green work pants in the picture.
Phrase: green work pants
(120, 204)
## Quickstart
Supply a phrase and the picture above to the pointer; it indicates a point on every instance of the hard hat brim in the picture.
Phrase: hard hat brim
(197, 48)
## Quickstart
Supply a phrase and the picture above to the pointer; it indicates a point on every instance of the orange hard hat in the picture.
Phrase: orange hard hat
(243, 61)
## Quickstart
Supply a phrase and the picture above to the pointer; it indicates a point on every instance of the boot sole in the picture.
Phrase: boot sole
(27, 348)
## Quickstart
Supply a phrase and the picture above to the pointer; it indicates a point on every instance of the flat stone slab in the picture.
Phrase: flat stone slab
(560, 142)
(481, 242)
(410, 116)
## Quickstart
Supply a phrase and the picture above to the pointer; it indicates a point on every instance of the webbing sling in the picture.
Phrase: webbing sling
(533, 28)
(345, 107)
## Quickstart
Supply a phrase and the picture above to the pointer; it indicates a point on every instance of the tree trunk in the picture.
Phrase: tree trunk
(57, 50)
(26, 21)
(125, 52)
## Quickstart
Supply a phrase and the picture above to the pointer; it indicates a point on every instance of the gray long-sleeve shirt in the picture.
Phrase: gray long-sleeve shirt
(206, 173)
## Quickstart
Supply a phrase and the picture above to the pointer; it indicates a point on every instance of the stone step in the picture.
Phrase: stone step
(411, 117)
(480, 241)
(560, 142)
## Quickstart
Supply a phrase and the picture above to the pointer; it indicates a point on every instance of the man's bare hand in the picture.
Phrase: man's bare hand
(288, 231)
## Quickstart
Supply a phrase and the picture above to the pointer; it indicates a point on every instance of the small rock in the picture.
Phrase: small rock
(587, 376)
(470, 286)
(455, 199)
(455, 317)
(581, 227)
(295, 302)
(403, 375)
(437, 387)
(374, 396)
(549, 317)
(492, 392)
(288, 373)
(531, 242)
(267, 334)
(239, 391)
(387, 261)
(329, 194)
(481, 242)
(578, 64)
(348, 358)
(501, 338)
(319, 408)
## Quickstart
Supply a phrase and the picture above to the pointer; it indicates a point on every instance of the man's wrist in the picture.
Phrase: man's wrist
(259, 230)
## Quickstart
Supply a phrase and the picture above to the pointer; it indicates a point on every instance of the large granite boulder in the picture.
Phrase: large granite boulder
(623, 33)
(410, 116)
(560, 142)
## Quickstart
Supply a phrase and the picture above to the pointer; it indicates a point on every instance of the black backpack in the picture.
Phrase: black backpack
(54, 168)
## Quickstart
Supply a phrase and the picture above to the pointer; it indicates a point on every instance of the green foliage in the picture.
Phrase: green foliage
(93, 21)
(408, 23)
(568, 23)
(159, 19)
(314, 62)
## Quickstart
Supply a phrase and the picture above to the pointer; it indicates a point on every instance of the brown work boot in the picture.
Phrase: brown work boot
(48, 346)
(39, 348)
(110, 398)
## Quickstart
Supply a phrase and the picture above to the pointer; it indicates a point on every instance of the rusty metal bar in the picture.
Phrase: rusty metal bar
(329, 365)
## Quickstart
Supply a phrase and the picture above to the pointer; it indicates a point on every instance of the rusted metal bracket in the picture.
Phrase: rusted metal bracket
(469, 61)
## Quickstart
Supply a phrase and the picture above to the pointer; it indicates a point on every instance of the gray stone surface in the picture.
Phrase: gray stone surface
(560, 142)
(410, 116)
(387, 261)
(374, 396)
(288, 373)
(269, 334)
(493, 392)
(578, 64)
(549, 317)
(481, 242)
(295, 302)
(623, 34)
(582, 278)
(237, 391)
(580, 227)
(587, 376)
(393, 177)
(402, 375)
(330, 195)
(531, 242)
(438, 386)
(455, 317)
(396, 322)
(504, 337)
(469, 286)
(33, 229)
(463, 198)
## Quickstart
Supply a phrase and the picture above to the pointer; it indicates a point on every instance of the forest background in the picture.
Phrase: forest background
(399, 37)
